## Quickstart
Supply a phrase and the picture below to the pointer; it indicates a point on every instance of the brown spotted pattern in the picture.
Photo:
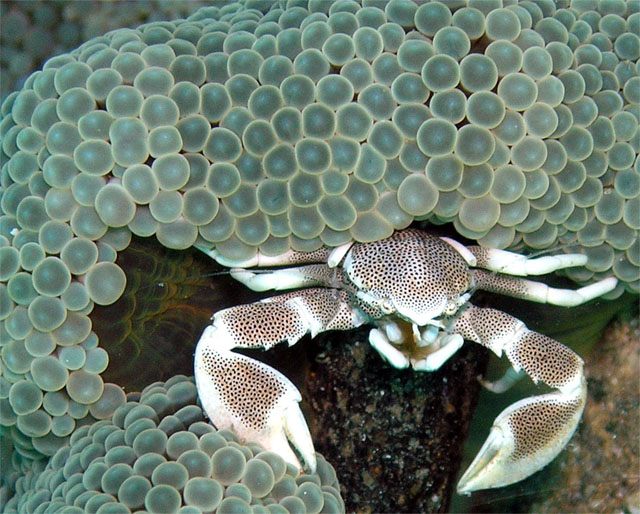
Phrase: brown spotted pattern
(420, 272)
(321, 274)
(262, 324)
(319, 255)
(545, 359)
(536, 426)
(273, 320)
(333, 310)
(501, 284)
(541, 357)
(481, 254)
(346, 316)
(320, 303)
(486, 326)
(372, 312)
(248, 391)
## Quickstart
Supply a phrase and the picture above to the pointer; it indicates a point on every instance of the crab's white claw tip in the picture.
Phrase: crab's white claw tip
(524, 438)
(289, 431)
(482, 472)
(496, 464)
(268, 415)
(298, 435)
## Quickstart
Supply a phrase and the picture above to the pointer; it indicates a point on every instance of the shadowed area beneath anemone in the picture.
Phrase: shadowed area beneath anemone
(151, 331)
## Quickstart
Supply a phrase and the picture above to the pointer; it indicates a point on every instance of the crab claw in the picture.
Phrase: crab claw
(266, 412)
(529, 434)
(524, 438)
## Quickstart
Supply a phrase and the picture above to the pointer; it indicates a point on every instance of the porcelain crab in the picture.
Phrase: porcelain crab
(414, 288)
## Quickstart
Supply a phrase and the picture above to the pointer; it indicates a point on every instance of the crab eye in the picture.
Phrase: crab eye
(451, 308)
(386, 306)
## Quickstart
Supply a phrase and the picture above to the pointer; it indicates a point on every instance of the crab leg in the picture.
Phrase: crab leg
(256, 401)
(539, 292)
(512, 263)
(510, 378)
(289, 278)
(331, 257)
(527, 435)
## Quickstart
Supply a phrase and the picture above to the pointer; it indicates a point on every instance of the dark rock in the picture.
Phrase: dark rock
(395, 437)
